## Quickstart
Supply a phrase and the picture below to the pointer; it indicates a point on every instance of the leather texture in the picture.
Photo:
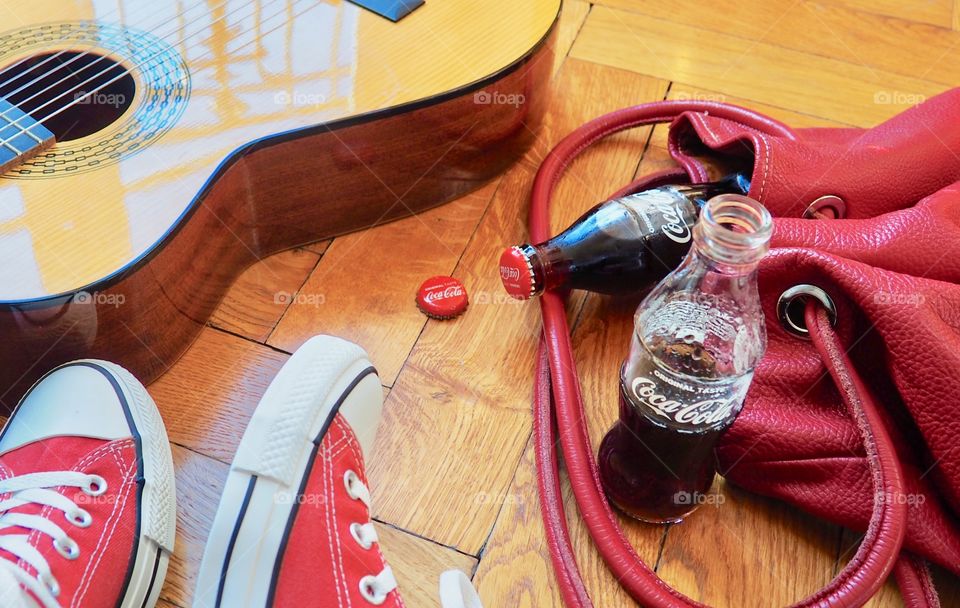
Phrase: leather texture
(854, 425)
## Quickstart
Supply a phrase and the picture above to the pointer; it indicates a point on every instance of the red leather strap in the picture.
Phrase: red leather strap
(877, 554)
(915, 582)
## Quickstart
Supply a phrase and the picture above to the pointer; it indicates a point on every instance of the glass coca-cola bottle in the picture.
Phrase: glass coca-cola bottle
(618, 246)
(697, 337)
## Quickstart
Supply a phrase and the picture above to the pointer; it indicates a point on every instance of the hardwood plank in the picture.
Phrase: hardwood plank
(758, 548)
(418, 563)
(572, 15)
(200, 482)
(515, 568)
(459, 411)
(824, 87)
(821, 29)
(208, 396)
(936, 12)
(390, 262)
(162, 603)
(319, 248)
(261, 295)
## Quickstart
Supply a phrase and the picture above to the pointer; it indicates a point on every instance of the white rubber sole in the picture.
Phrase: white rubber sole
(158, 511)
(324, 377)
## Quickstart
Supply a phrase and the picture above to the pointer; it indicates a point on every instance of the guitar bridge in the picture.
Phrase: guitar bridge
(21, 137)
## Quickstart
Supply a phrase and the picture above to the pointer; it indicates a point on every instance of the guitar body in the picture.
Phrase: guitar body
(234, 129)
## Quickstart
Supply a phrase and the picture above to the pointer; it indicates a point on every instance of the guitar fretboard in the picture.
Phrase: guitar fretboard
(21, 137)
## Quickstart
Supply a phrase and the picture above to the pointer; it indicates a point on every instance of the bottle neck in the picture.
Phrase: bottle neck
(699, 194)
(732, 234)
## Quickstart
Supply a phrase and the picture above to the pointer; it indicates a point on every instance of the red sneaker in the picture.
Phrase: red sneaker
(293, 527)
(87, 501)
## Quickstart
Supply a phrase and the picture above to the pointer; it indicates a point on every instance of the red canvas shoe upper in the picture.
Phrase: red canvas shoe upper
(71, 545)
(332, 556)
(87, 511)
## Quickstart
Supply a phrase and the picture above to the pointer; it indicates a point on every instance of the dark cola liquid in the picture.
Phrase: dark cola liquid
(654, 472)
(657, 463)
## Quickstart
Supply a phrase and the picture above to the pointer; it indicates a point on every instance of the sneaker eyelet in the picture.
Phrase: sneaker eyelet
(355, 532)
(68, 548)
(79, 518)
(350, 478)
(369, 591)
(96, 486)
(50, 583)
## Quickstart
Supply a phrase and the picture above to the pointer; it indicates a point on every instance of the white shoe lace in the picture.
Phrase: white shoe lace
(455, 588)
(35, 488)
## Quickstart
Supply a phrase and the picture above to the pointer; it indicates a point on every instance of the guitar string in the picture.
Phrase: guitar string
(80, 99)
(102, 72)
(63, 64)
(62, 40)
(60, 53)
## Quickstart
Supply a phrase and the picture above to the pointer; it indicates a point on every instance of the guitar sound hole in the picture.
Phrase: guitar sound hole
(46, 83)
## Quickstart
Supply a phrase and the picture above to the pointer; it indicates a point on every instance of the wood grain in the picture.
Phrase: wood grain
(418, 563)
(207, 398)
(461, 402)
(825, 87)
(260, 296)
(751, 541)
(395, 258)
(936, 12)
(199, 481)
(572, 15)
(515, 567)
(822, 29)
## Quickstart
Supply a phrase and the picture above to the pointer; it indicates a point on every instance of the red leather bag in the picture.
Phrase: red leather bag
(853, 414)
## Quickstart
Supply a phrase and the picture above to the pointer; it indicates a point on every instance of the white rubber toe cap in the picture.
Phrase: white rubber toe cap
(74, 400)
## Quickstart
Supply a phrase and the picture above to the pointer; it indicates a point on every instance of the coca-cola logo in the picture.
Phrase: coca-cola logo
(437, 295)
(674, 228)
(508, 273)
(700, 413)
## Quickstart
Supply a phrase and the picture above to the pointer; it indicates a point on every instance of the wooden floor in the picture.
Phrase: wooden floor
(453, 477)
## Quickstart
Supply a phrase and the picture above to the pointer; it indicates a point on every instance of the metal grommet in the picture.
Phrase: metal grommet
(790, 308)
(829, 205)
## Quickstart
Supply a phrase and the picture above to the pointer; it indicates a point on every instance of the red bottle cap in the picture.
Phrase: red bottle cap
(442, 297)
(516, 273)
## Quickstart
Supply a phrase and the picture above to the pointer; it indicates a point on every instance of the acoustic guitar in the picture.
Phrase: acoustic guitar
(152, 150)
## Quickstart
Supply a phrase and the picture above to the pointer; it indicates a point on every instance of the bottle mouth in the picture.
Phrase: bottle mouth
(733, 229)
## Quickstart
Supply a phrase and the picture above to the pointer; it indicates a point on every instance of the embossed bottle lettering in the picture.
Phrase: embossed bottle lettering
(697, 337)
